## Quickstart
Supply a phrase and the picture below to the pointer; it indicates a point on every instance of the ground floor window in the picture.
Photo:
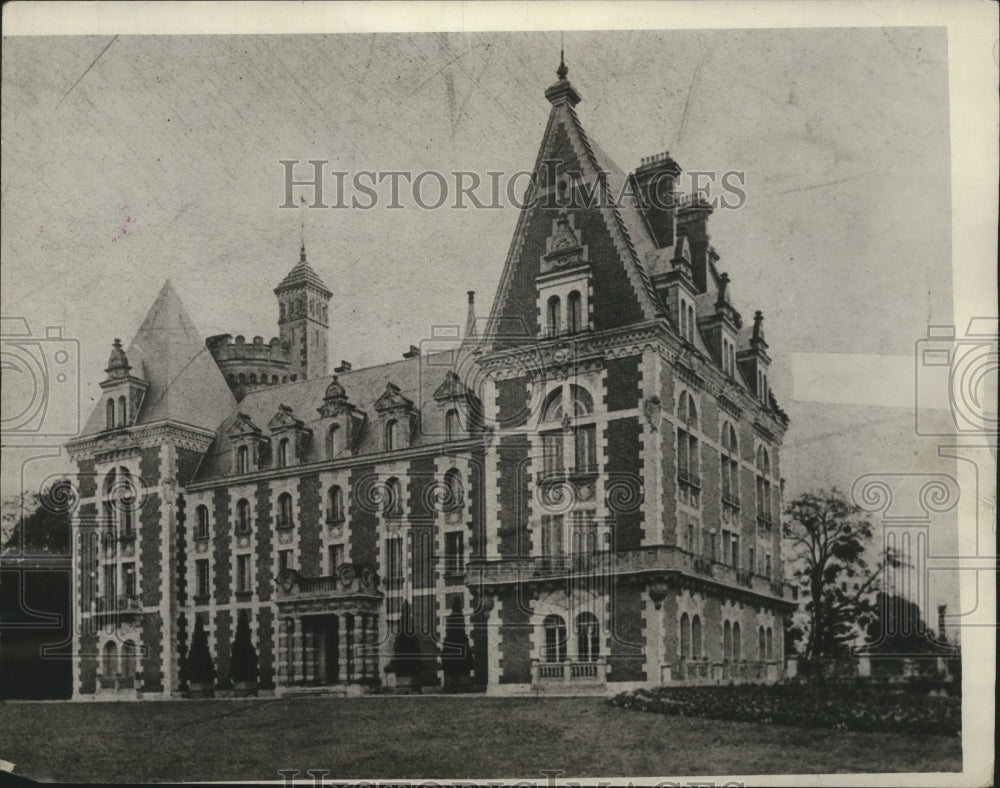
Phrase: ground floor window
(588, 641)
(555, 638)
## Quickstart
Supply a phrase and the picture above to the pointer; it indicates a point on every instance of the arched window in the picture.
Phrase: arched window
(285, 511)
(455, 492)
(690, 323)
(110, 414)
(283, 453)
(761, 644)
(696, 637)
(242, 378)
(687, 449)
(122, 412)
(727, 641)
(452, 426)
(393, 504)
(243, 516)
(391, 435)
(201, 522)
(335, 505)
(581, 403)
(126, 502)
(737, 642)
(588, 639)
(555, 638)
(574, 313)
(110, 659)
(128, 659)
(684, 318)
(253, 378)
(552, 410)
(553, 317)
(242, 459)
(685, 636)
(332, 441)
(770, 644)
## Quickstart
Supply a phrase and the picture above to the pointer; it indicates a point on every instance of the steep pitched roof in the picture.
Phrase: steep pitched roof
(416, 379)
(616, 234)
(169, 353)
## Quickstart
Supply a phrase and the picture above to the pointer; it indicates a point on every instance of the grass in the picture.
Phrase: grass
(434, 737)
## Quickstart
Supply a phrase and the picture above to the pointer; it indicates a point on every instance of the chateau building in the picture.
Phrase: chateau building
(591, 476)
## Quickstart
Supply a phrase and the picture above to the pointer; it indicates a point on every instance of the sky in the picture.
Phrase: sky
(130, 160)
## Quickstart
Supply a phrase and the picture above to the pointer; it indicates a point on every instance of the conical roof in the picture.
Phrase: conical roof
(185, 385)
(302, 275)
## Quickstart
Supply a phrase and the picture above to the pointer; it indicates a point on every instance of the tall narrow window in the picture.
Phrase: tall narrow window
(393, 503)
(285, 511)
(242, 459)
(583, 532)
(690, 323)
(761, 645)
(110, 583)
(332, 441)
(110, 659)
(122, 412)
(588, 640)
(201, 523)
(737, 642)
(727, 641)
(335, 505)
(128, 575)
(763, 490)
(454, 552)
(585, 440)
(685, 636)
(110, 414)
(552, 535)
(552, 452)
(391, 435)
(555, 638)
(243, 516)
(284, 560)
(335, 558)
(553, 316)
(454, 492)
(729, 468)
(696, 637)
(451, 425)
(128, 659)
(684, 318)
(687, 449)
(394, 562)
(770, 644)
(243, 573)
(201, 573)
(283, 453)
(574, 315)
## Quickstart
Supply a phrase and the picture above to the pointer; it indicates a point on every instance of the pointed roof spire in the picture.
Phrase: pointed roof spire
(470, 320)
(562, 91)
(301, 275)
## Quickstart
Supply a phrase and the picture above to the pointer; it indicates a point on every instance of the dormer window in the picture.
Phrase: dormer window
(332, 441)
(243, 459)
(391, 435)
(452, 425)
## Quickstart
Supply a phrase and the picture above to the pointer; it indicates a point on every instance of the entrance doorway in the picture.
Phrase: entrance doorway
(331, 649)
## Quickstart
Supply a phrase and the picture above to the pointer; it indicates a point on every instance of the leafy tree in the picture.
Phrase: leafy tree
(243, 663)
(827, 541)
(39, 522)
(456, 658)
(898, 627)
(200, 667)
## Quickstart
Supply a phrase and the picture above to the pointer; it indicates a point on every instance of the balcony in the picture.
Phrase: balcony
(642, 561)
(700, 671)
(123, 605)
(116, 683)
(569, 676)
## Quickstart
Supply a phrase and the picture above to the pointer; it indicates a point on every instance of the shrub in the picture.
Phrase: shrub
(840, 706)
(243, 663)
(407, 660)
(456, 658)
(200, 666)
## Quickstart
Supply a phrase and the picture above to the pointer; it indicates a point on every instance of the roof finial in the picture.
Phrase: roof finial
(302, 230)
(562, 71)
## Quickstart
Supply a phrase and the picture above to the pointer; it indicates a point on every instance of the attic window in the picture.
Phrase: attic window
(242, 459)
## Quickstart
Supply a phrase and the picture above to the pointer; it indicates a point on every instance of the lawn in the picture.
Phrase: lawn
(439, 737)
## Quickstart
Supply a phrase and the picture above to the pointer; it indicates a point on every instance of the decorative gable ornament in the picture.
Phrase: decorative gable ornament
(393, 401)
(338, 407)
(452, 388)
(563, 248)
(120, 382)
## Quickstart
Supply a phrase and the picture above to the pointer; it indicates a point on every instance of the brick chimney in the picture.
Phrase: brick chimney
(655, 180)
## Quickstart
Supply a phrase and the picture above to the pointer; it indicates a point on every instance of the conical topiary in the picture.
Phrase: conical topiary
(407, 661)
(456, 656)
(200, 667)
(243, 662)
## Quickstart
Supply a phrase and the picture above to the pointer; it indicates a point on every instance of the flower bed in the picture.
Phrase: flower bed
(849, 707)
